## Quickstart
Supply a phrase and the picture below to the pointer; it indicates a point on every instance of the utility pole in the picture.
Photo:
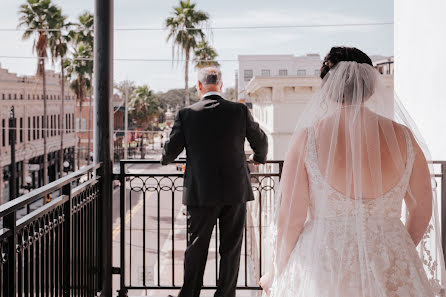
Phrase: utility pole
(12, 140)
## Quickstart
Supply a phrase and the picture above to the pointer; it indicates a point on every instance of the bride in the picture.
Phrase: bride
(357, 214)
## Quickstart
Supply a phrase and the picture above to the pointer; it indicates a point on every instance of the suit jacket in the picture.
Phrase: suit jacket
(213, 132)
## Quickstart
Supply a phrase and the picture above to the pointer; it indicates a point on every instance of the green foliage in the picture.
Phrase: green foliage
(143, 107)
(35, 15)
(205, 55)
(185, 27)
(80, 67)
(185, 32)
(78, 70)
(175, 97)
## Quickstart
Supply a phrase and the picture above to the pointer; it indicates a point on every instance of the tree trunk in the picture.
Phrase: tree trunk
(44, 126)
(186, 80)
(78, 136)
(89, 120)
(62, 117)
(141, 147)
(79, 86)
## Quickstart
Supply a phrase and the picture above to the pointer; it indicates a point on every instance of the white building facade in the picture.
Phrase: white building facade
(251, 66)
(278, 102)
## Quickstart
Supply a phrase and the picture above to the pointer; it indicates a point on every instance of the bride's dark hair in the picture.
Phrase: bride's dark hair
(342, 53)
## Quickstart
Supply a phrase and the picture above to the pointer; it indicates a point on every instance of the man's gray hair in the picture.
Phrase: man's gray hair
(210, 76)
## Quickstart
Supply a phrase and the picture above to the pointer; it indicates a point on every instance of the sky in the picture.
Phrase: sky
(164, 75)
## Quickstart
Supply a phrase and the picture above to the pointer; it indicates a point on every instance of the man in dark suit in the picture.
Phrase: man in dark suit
(216, 182)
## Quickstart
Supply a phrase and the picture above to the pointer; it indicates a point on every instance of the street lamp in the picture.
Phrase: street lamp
(66, 166)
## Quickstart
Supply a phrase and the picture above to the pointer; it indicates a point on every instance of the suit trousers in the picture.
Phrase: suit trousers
(201, 222)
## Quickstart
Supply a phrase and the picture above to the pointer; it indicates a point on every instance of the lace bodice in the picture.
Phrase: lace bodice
(387, 205)
(334, 253)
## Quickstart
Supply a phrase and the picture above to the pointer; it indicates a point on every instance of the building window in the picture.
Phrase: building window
(248, 74)
(266, 72)
(52, 126)
(283, 72)
(29, 97)
(317, 72)
(44, 126)
(301, 72)
(9, 96)
(72, 121)
(15, 96)
(3, 132)
(21, 130)
(47, 125)
(21, 96)
(3, 96)
(34, 128)
(29, 128)
(58, 124)
(81, 124)
(38, 127)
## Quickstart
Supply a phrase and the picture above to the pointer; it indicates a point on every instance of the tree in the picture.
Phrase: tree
(205, 55)
(185, 32)
(78, 69)
(84, 35)
(38, 17)
(145, 107)
(58, 43)
(125, 89)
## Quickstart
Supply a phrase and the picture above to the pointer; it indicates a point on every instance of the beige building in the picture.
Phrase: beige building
(25, 94)
(271, 66)
(277, 103)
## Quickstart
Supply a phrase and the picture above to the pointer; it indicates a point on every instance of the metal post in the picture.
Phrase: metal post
(44, 125)
(126, 120)
(103, 91)
(12, 141)
(122, 289)
(62, 118)
(9, 221)
(67, 242)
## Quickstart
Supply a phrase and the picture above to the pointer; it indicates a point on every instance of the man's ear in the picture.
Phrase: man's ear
(200, 85)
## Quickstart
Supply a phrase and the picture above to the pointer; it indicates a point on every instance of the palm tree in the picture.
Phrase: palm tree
(37, 17)
(58, 43)
(84, 34)
(145, 107)
(78, 69)
(125, 89)
(185, 31)
(205, 55)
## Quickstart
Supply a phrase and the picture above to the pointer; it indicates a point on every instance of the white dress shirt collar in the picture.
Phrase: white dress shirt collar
(211, 93)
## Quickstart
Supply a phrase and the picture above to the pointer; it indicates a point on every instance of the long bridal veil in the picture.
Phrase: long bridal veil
(356, 165)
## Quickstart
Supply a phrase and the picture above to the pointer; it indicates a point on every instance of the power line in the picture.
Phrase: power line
(149, 60)
(222, 27)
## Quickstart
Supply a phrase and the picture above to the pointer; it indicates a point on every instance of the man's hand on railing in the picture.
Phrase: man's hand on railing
(251, 160)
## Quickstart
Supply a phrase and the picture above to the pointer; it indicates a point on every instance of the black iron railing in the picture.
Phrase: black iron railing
(53, 250)
(163, 192)
(157, 196)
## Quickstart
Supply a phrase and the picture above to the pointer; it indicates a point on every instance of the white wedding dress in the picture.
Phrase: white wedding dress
(394, 267)
(354, 171)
